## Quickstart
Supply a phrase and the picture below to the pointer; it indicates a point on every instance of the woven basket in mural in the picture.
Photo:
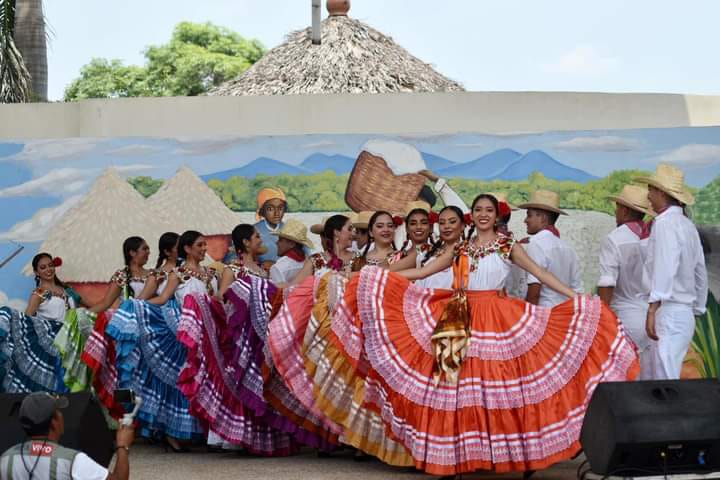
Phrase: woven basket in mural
(373, 186)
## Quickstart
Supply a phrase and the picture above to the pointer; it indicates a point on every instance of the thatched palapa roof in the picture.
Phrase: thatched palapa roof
(352, 58)
(187, 203)
(89, 236)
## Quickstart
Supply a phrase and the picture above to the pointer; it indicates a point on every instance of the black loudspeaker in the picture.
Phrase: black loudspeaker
(85, 427)
(653, 427)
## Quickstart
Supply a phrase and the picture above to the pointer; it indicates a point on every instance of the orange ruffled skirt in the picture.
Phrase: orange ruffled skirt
(523, 388)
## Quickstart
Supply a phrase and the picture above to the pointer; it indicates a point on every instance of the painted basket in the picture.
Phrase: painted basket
(373, 186)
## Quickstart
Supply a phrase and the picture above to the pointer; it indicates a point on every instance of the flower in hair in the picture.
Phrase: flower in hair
(504, 209)
(433, 217)
(57, 262)
(467, 218)
(397, 220)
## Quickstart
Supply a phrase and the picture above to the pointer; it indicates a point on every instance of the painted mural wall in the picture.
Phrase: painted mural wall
(80, 197)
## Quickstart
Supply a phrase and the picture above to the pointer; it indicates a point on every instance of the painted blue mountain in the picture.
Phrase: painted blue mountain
(436, 163)
(8, 149)
(484, 167)
(261, 165)
(539, 161)
(320, 162)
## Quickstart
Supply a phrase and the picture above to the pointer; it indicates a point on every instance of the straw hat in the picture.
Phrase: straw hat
(670, 180)
(634, 197)
(361, 219)
(544, 200)
(294, 230)
(318, 228)
(500, 197)
(418, 205)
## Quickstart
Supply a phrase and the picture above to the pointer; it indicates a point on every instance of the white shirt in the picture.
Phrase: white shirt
(490, 273)
(557, 257)
(675, 265)
(285, 270)
(622, 261)
(442, 279)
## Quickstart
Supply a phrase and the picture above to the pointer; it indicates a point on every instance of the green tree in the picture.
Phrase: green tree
(145, 185)
(197, 57)
(706, 210)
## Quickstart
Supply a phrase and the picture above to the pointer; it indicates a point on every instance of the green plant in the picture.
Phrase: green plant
(706, 341)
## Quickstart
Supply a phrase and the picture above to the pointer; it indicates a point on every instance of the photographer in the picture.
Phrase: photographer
(41, 457)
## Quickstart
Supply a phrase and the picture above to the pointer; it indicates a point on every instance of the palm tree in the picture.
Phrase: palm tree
(14, 77)
(31, 40)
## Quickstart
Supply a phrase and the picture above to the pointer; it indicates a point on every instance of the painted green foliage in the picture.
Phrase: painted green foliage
(706, 341)
(197, 57)
(145, 185)
(325, 192)
(707, 204)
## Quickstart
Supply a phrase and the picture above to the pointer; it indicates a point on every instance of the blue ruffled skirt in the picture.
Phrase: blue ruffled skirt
(29, 362)
(149, 359)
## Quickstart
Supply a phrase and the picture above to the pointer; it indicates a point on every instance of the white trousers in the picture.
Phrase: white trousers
(674, 326)
(633, 320)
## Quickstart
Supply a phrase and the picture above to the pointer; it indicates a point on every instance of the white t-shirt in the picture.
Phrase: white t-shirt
(556, 256)
(285, 270)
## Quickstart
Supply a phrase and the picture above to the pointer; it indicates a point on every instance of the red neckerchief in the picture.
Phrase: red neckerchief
(295, 255)
(553, 229)
(639, 228)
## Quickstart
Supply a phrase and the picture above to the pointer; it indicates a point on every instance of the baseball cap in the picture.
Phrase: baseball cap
(38, 408)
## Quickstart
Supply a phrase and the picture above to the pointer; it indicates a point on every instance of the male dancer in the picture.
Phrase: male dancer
(676, 272)
(622, 285)
(548, 250)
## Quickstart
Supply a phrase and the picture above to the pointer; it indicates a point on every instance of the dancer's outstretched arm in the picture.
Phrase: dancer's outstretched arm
(439, 264)
(520, 258)
(169, 291)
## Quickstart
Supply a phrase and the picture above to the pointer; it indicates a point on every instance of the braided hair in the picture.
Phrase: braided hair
(167, 241)
(439, 243)
(332, 225)
(131, 244)
(412, 212)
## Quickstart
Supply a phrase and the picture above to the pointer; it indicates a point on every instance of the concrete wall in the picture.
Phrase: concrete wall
(493, 112)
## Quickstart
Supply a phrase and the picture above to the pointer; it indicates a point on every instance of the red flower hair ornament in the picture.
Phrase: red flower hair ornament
(433, 217)
(57, 262)
(467, 218)
(398, 220)
(503, 209)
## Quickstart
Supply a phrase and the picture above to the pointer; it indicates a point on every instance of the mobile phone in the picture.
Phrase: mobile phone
(124, 395)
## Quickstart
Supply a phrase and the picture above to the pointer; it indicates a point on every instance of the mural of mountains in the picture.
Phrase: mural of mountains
(436, 163)
(482, 168)
(320, 162)
(503, 164)
(261, 165)
(539, 161)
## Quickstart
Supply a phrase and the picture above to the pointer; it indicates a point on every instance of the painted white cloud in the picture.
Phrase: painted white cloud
(320, 144)
(583, 60)
(39, 150)
(15, 303)
(60, 181)
(135, 168)
(693, 155)
(37, 227)
(207, 145)
(134, 150)
(597, 144)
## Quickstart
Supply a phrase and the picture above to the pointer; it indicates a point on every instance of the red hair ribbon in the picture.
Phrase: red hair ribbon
(433, 217)
(57, 262)
(398, 220)
(504, 209)
(467, 218)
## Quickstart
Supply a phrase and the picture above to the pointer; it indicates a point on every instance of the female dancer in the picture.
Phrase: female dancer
(419, 229)
(471, 379)
(167, 262)
(381, 234)
(149, 356)
(29, 361)
(99, 350)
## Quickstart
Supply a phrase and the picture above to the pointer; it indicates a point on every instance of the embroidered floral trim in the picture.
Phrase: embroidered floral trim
(240, 270)
(121, 278)
(205, 274)
(502, 245)
(319, 262)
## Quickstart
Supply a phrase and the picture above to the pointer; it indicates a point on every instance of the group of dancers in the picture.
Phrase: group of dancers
(461, 348)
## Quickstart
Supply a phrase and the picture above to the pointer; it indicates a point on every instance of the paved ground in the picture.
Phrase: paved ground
(152, 463)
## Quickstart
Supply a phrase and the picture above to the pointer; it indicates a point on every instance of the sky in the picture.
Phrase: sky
(664, 46)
